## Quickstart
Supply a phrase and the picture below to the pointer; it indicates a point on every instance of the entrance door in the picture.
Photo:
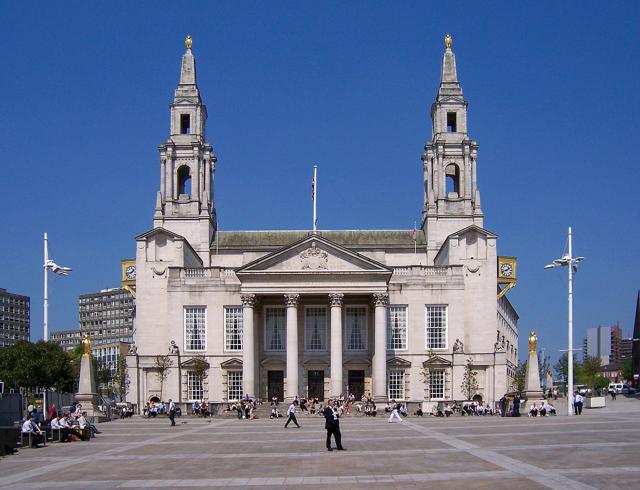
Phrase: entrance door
(316, 385)
(356, 383)
(275, 385)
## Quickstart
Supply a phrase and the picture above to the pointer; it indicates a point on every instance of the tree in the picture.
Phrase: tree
(120, 378)
(469, 380)
(626, 371)
(426, 370)
(589, 370)
(520, 375)
(562, 366)
(32, 366)
(163, 364)
(544, 363)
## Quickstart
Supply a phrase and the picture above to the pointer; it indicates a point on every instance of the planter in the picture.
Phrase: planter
(594, 402)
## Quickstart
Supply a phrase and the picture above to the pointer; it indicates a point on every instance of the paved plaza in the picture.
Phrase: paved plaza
(600, 449)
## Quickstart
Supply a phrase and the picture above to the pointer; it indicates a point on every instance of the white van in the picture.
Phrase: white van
(615, 386)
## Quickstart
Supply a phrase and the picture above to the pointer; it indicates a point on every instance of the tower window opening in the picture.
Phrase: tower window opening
(453, 180)
(185, 124)
(184, 180)
(452, 127)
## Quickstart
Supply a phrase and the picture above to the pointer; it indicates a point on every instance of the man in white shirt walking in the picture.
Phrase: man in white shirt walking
(172, 412)
(394, 413)
(292, 415)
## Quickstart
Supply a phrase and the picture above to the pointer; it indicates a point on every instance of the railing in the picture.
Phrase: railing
(421, 270)
(202, 273)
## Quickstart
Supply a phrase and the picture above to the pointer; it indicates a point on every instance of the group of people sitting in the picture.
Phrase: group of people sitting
(201, 409)
(71, 425)
(153, 409)
(245, 409)
(542, 410)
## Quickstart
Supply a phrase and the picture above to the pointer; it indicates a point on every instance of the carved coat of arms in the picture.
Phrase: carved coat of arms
(313, 258)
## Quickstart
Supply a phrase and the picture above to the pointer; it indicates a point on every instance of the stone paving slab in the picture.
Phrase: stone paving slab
(598, 450)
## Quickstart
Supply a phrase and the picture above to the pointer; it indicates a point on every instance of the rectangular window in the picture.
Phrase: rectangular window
(397, 328)
(451, 122)
(315, 329)
(395, 386)
(233, 328)
(436, 327)
(234, 386)
(275, 329)
(356, 328)
(195, 390)
(195, 328)
(436, 384)
(185, 124)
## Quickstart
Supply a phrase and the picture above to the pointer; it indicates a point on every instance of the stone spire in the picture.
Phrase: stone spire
(185, 203)
(188, 71)
(449, 84)
(451, 195)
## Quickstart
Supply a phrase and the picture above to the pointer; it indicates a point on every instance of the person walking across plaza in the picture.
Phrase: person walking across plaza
(172, 412)
(332, 424)
(578, 401)
(292, 415)
(394, 413)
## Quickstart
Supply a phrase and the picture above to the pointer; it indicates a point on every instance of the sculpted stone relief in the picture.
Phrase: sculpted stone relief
(313, 258)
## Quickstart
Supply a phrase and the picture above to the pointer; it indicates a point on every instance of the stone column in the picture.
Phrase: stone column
(291, 300)
(380, 302)
(248, 346)
(336, 343)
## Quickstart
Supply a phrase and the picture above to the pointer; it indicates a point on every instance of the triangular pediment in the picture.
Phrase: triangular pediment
(194, 362)
(436, 361)
(233, 363)
(314, 254)
(398, 362)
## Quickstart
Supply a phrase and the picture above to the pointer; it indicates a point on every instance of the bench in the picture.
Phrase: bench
(28, 436)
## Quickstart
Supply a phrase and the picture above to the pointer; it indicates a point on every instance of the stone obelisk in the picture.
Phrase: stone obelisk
(532, 388)
(87, 395)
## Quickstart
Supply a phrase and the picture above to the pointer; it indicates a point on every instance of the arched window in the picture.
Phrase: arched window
(453, 180)
(184, 181)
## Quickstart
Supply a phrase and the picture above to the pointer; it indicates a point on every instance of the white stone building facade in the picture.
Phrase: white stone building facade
(319, 314)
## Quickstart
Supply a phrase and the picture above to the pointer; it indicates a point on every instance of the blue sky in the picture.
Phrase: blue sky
(553, 101)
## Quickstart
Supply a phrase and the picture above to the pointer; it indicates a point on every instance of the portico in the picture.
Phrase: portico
(323, 288)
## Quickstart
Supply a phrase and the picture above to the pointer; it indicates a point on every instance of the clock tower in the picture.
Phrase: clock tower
(185, 202)
(451, 195)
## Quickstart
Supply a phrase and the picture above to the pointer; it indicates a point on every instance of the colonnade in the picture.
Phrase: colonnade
(336, 301)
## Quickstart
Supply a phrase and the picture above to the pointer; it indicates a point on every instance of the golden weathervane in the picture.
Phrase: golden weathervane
(86, 345)
(533, 341)
(447, 41)
(188, 42)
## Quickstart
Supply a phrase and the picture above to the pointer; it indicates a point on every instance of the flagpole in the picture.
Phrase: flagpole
(415, 240)
(315, 190)
(46, 291)
(46, 316)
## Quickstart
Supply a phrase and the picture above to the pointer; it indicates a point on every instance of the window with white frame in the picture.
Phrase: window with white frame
(276, 329)
(234, 385)
(315, 328)
(397, 327)
(436, 384)
(195, 389)
(436, 327)
(195, 328)
(395, 387)
(356, 328)
(233, 328)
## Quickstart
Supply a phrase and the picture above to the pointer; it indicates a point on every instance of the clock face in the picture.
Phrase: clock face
(130, 272)
(506, 269)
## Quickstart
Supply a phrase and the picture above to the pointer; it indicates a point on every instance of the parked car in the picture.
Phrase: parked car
(628, 390)
(617, 387)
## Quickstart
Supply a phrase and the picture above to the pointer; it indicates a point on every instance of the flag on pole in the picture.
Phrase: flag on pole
(50, 265)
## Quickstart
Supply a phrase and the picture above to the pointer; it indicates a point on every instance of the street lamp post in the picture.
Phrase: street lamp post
(571, 263)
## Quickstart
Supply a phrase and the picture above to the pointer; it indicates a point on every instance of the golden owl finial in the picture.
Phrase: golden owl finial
(86, 345)
(533, 341)
(188, 41)
(447, 41)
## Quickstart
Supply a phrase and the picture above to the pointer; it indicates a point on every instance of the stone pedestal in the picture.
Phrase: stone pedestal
(532, 389)
(87, 395)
